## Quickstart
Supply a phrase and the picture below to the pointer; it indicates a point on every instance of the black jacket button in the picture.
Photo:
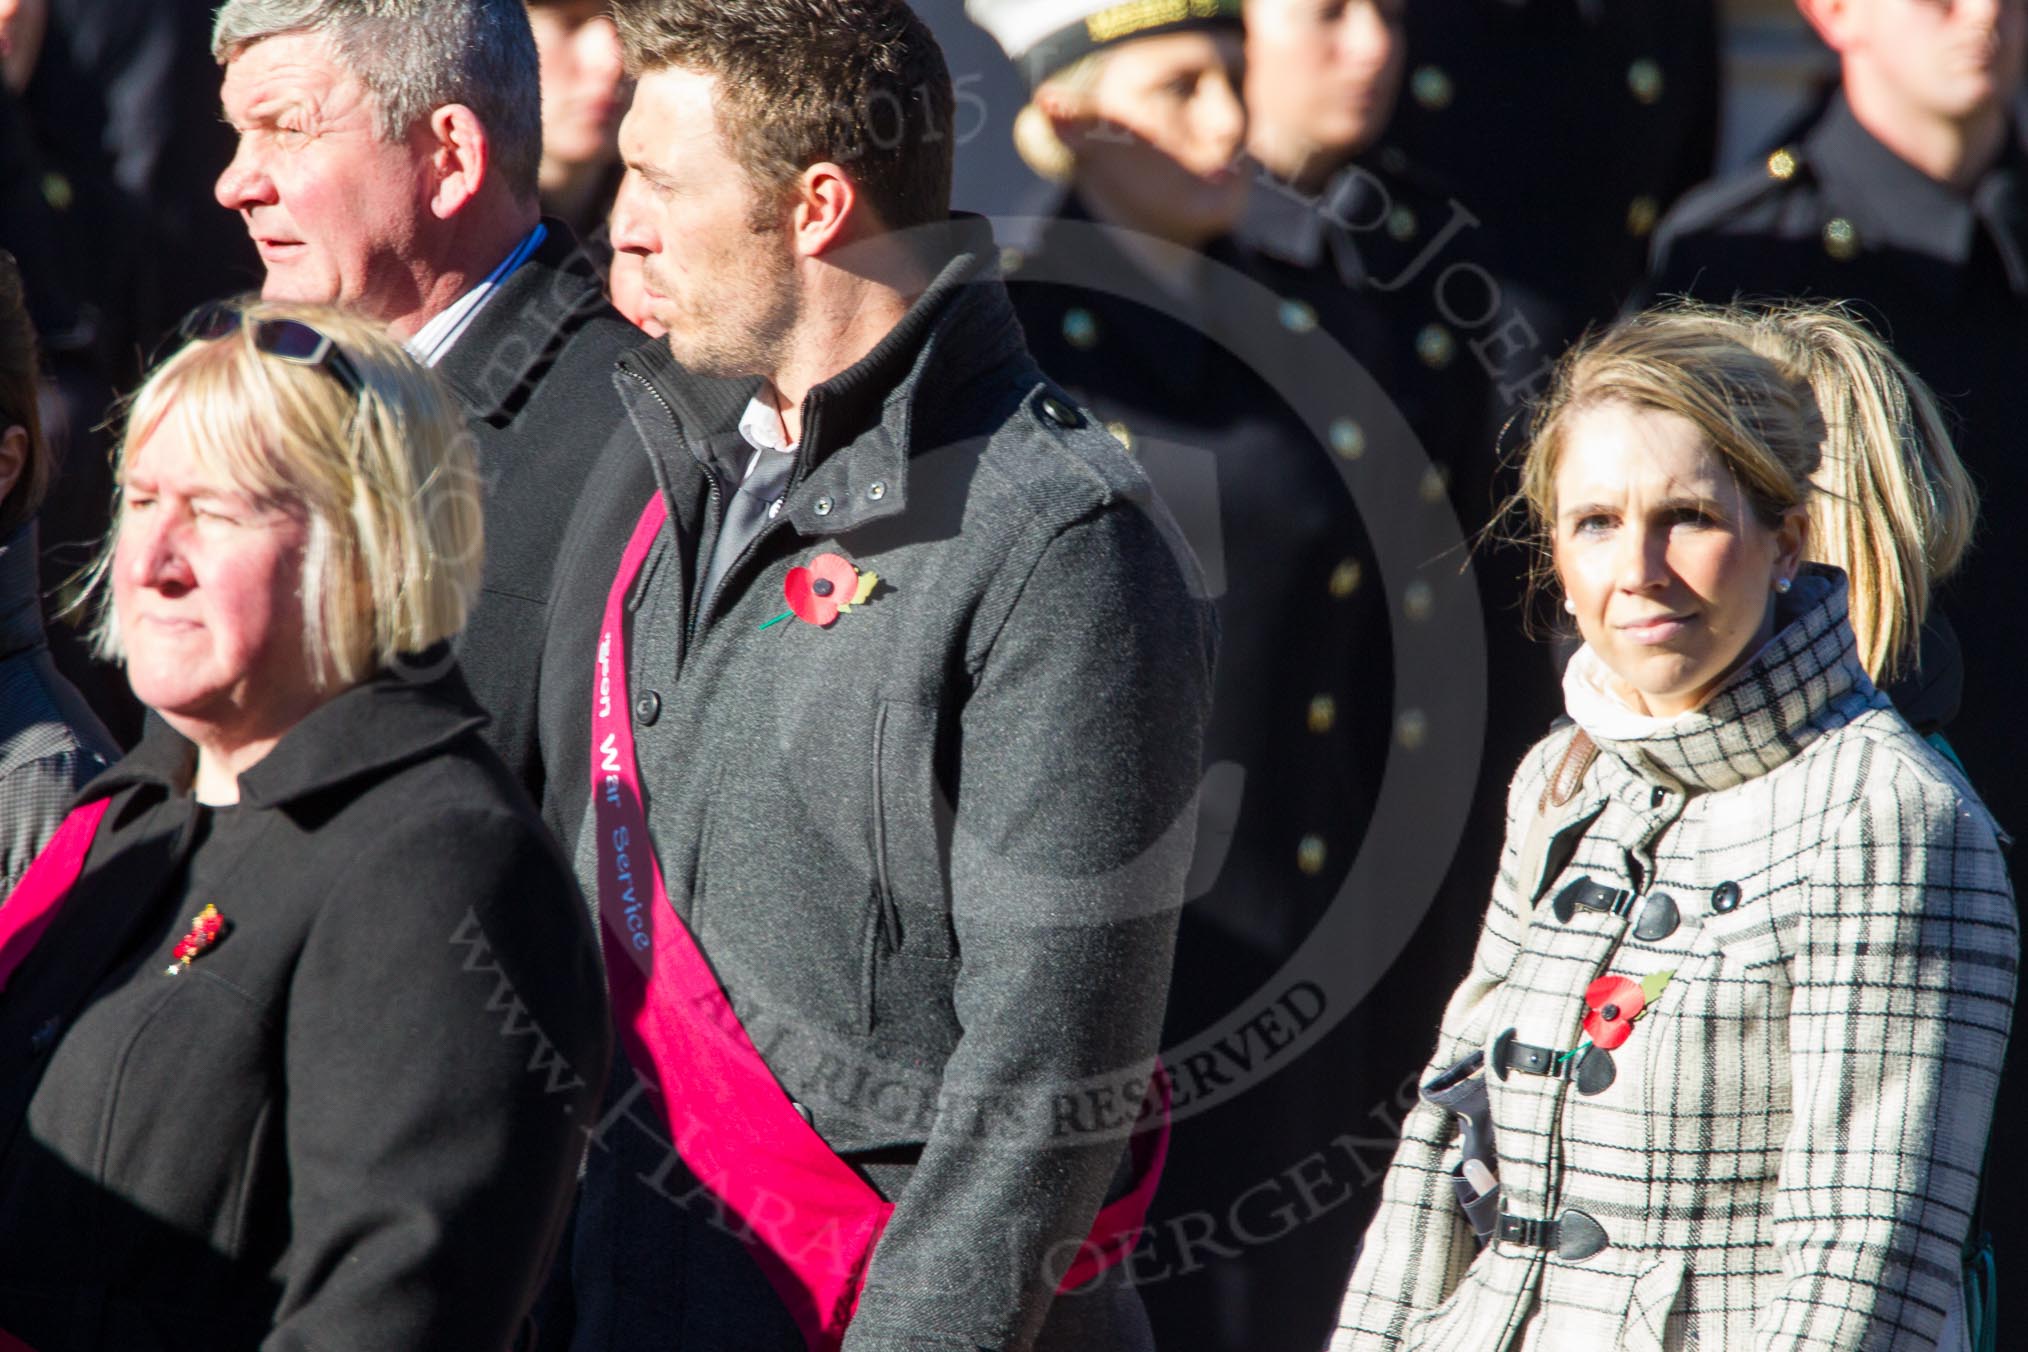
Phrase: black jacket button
(1725, 898)
(1060, 413)
(648, 708)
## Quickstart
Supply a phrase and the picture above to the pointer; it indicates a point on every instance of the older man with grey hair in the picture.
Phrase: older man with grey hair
(387, 161)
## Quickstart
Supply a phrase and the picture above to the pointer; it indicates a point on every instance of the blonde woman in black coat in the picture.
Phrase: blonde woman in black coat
(300, 1007)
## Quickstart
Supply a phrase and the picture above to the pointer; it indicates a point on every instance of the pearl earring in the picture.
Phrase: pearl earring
(1569, 606)
(1782, 586)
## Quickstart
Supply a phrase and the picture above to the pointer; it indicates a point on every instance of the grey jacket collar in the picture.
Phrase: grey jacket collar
(20, 594)
(861, 426)
(1806, 682)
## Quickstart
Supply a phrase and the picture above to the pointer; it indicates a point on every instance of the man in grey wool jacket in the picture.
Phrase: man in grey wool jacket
(917, 672)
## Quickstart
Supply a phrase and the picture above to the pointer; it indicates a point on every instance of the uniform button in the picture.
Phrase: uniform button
(1060, 413)
(1122, 434)
(1431, 86)
(44, 1036)
(1311, 854)
(1642, 213)
(1401, 224)
(1781, 166)
(1419, 601)
(1080, 328)
(1412, 729)
(1658, 797)
(1725, 898)
(803, 1112)
(1323, 714)
(1011, 259)
(1644, 78)
(823, 506)
(1841, 241)
(876, 490)
(1348, 438)
(647, 709)
(1436, 483)
(1299, 316)
(1345, 579)
(56, 191)
(1435, 346)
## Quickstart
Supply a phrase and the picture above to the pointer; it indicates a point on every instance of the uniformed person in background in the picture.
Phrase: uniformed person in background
(1907, 198)
(1567, 126)
(1135, 297)
(1332, 225)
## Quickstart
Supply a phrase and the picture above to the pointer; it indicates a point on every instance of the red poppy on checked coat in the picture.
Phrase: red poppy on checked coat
(1612, 1003)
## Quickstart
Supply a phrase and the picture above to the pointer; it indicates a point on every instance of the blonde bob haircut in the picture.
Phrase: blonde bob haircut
(387, 483)
(1805, 406)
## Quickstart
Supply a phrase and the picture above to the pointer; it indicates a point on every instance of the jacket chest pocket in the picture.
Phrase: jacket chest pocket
(912, 958)
(1717, 1057)
(821, 882)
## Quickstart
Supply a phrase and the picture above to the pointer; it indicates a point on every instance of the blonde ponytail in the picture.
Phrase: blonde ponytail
(1895, 508)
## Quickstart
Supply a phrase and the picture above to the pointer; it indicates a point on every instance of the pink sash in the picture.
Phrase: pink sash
(34, 901)
(33, 904)
(809, 1220)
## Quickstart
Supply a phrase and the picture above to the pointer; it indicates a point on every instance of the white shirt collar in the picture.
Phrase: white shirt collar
(438, 336)
(761, 425)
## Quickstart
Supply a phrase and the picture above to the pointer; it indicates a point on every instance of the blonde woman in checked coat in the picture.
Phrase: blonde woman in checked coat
(1745, 985)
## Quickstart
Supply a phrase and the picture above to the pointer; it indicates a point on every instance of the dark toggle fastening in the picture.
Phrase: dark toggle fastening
(1659, 913)
(1573, 1236)
(1659, 918)
(1593, 897)
(1591, 1070)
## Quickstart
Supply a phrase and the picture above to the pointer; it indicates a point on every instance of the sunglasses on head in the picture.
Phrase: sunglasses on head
(290, 340)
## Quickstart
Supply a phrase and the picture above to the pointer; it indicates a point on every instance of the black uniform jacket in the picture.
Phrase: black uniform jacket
(533, 374)
(1303, 702)
(1568, 127)
(348, 1124)
(1204, 389)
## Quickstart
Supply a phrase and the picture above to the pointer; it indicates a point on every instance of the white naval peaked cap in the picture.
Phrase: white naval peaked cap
(1044, 36)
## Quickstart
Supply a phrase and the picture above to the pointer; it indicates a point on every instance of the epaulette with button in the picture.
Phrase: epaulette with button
(1724, 200)
(1055, 409)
